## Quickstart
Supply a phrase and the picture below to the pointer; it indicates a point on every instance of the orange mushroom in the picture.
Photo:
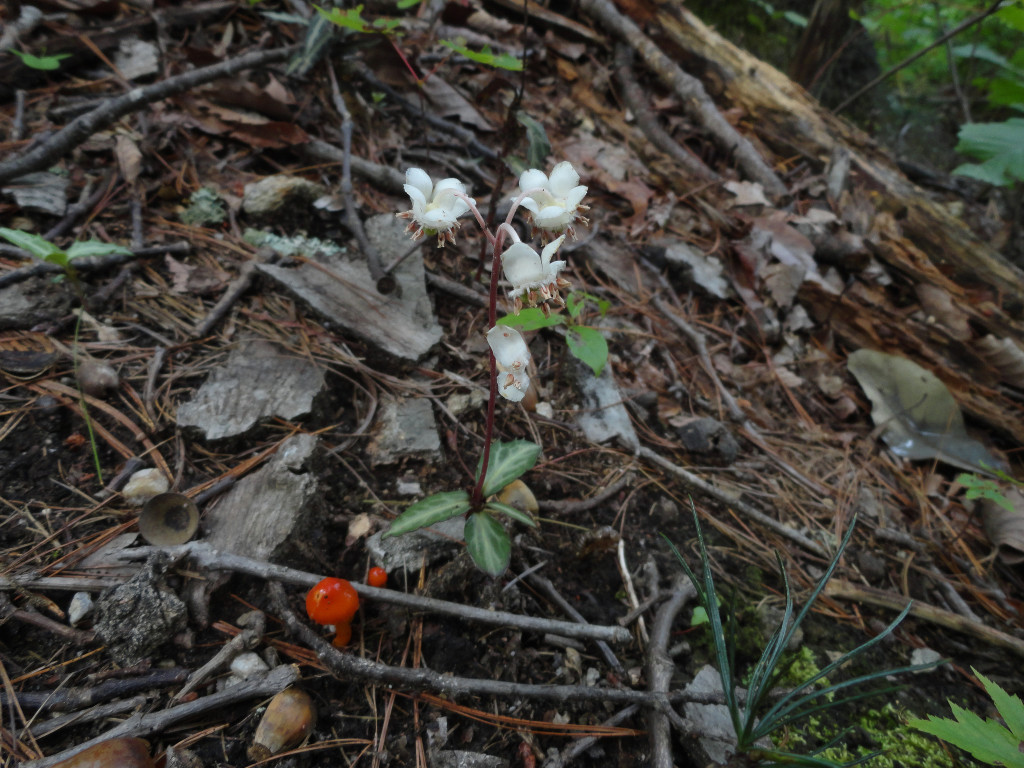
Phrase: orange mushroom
(334, 601)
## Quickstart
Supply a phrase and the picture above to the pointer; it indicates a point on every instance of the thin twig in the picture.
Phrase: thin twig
(238, 286)
(141, 725)
(545, 586)
(347, 667)
(635, 99)
(690, 90)
(81, 128)
(579, 746)
(206, 556)
(742, 507)
(925, 612)
(352, 220)
(88, 263)
(583, 505)
(660, 667)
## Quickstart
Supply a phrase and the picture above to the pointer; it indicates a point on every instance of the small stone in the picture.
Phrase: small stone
(407, 429)
(544, 409)
(245, 665)
(405, 487)
(454, 758)
(96, 377)
(80, 607)
(924, 656)
(274, 192)
(425, 546)
(144, 485)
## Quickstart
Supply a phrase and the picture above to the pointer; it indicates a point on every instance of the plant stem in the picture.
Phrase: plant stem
(495, 241)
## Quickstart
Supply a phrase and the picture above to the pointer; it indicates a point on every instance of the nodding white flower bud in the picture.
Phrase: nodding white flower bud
(555, 201)
(533, 276)
(435, 207)
(513, 358)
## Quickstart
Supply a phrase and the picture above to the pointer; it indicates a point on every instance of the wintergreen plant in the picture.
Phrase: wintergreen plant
(760, 715)
(987, 740)
(44, 250)
(554, 205)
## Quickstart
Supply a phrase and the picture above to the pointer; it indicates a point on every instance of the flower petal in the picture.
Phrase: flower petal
(554, 218)
(563, 179)
(509, 348)
(418, 178)
(514, 391)
(419, 202)
(575, 197)
(530, 204)
(532, 179)
(549, 251)
(522, 266)
(440, 219)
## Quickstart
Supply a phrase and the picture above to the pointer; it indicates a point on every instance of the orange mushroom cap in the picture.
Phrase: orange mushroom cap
(332, 601)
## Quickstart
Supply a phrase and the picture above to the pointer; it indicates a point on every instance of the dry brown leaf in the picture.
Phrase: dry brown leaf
(1004, 355)
(747, 193)
(938, 305)
(450, 103)
(1005, 529)
(129, 158)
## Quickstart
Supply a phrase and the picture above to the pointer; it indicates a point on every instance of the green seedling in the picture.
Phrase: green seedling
(760, 715)
(44, 250)
(44, 63)
(486, 539)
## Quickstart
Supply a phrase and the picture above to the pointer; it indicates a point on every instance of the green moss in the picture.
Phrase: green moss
(885, 727)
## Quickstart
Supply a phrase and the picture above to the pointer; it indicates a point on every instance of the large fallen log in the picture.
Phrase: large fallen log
(927, 246)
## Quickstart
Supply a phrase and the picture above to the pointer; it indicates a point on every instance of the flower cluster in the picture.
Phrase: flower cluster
(435, 207)
(535, 277)
(554, 203)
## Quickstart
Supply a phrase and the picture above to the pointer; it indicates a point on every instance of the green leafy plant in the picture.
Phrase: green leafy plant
(977, 487)
(45, 63)
(987, 740)
(759, 716)
(999, 145)
(485, 56)
(486, 539)
(43, 249)
(585, 343)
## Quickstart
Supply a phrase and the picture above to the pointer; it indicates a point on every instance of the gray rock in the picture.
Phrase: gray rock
(406, 429)
(259, 380)
(411, 550)
(603, 416)
(271, 508)
(271, 194)
(34, 301)
(709, 437)
(137, 617)
(340, 288)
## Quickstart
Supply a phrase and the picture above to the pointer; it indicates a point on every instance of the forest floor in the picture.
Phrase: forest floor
(712, 279)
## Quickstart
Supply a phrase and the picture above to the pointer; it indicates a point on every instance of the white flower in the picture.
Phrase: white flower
(435, 207)
(555, 207)
(532, 275)
(512, 356)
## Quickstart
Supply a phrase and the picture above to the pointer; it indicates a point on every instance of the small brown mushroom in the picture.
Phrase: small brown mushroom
(289, 718)
(112, 753)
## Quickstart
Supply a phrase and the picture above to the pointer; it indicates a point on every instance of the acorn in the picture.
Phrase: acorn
(112, 753)
(289, 719)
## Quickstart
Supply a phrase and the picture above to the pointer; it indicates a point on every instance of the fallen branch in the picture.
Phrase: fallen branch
(89, 263)
(925, 612)
(206, 556)
(140, 725)
(81, 128)
(691, 91)
(347, 667)
(660, 667)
